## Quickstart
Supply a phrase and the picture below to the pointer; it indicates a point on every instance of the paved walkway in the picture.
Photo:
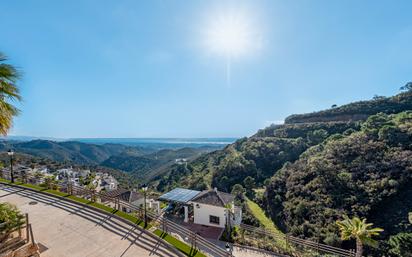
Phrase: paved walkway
(68, 229)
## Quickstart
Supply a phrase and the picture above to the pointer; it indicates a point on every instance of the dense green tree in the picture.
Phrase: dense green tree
(9, 93)
(238, 190)
(317, 136)
(249, 183)
(400, 245)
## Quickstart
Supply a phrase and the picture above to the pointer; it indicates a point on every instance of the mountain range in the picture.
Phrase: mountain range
(142, 163)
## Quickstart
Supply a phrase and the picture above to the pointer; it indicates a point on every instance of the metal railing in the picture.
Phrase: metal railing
(163, 224)
(295, 245)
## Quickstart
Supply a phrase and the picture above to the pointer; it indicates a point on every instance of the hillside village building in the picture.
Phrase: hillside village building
(104, 181)
(208, 207)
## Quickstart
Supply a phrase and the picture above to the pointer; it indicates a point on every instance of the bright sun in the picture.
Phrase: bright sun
(231, 34)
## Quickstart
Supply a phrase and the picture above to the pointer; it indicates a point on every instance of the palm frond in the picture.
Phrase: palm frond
(369, 241)
(8, 92)
(8, 72)
(3, 57)
(357, 228)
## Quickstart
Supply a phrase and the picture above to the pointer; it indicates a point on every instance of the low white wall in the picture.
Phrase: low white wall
(201, 215)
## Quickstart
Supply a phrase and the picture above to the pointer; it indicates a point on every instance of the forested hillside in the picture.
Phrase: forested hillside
(317, 167)
(152, 164)
(257, 157)
(367, 173)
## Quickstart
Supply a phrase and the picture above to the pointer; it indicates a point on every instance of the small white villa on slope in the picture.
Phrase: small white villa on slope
(208, 207)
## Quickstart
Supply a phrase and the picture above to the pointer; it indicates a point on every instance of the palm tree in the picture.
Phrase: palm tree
(359, 230)
(8, 93)
(10, 220)
(51, 182)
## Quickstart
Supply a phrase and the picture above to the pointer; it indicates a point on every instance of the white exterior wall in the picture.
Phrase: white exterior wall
(140, 202)
(201, 215)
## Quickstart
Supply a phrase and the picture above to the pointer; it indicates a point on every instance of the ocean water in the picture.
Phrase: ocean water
(162, 142)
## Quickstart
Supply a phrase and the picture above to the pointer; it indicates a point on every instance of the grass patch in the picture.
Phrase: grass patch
(38, 188)
(260, 215)
(182, 247)
(268, 224)
(179, 245)
(55, 192)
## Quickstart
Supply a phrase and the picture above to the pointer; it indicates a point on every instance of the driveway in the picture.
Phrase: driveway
(68, 229)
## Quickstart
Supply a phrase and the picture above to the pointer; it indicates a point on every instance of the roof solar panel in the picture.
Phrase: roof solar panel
(180, 195)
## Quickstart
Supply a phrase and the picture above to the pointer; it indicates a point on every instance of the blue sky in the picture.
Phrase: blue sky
(139, 68)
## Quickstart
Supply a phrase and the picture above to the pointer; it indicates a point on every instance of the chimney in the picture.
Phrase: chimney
(215, 189)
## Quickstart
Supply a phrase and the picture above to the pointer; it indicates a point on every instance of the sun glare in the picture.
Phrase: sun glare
(231, 34)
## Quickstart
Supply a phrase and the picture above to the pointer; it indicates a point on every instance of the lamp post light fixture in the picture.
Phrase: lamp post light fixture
(228, 249)
(144, 188)
(11, 153)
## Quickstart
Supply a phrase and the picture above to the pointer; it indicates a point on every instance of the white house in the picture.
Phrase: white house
(105, 181)
(181, 161)
(109, 182)
(213, 208)
(68, 173)
(209, 207)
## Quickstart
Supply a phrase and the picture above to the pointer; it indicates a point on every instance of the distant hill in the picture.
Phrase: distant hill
(152, 164)
(357, 110)
(77, 152)
(140, 162)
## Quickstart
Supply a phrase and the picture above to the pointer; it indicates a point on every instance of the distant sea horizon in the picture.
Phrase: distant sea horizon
(161, 142)
(215, 142)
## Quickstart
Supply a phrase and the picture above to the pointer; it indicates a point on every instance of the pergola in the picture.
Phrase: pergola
(181, 196)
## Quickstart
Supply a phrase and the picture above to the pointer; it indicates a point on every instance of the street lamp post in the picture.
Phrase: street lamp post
(11, 153)
(144, 188)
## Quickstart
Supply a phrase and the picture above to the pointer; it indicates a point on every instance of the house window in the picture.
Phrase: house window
(214, 219)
